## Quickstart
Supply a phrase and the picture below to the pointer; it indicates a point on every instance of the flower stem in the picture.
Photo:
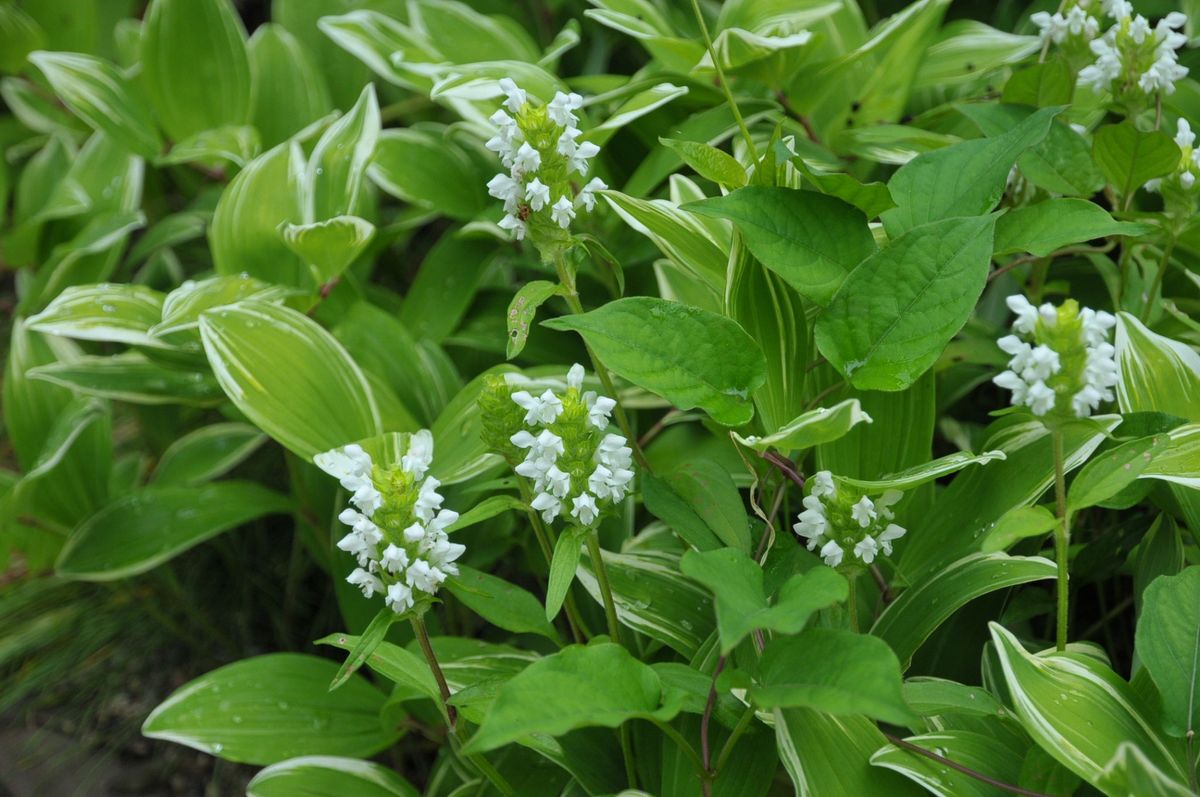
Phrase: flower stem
(738, 730)
(1158, 280)
(852, 603)
(1062, 537)
(610, 608)
(733, 106)
(418, 625)
(574, 620)
(572, 297)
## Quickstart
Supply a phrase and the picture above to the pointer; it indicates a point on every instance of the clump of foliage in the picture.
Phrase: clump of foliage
(673, 399)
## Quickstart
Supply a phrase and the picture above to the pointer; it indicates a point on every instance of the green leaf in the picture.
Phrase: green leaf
(521, 312)
(289, 376)
(204, 454)
(700, 502)
(871, 198)
(896, 312)
(430, 170)
(1158, 374)
(741, 600)
(811, 240)
(909, 620)
(992, 755)
(1129, 157)
(328, 776)
(237, 144)
(834, 671)
(100, 95)
(1077, 709)
(402, 667)
(1108, 474)
(1131, 773)
(143, 529)
(134, 378)
(934, 697)
(924, 473)
(333, 178)
(689, 356)
(1168, 645)
(1041, 85)
(1179, 460)
(376, 39)
(709, 162)
(1054, 223)
(812, 428)
(289, 89)
(194, 65)
(1019, 524)
(105, 311)
(244, 235)
(20, 34)
(329, 247)
(487, 509)
(181, 309)
(365, 645)
(562, 568)
(271, 708)
(597, 685)
(965, 179)
(458, 434)
(502, 604)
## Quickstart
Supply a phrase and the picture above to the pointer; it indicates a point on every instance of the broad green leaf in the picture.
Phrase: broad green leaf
(450, 275)
(20, 35)
(134, 378)
(909, 620)
(921, 474)
(100, 95)
(871, 198)
(122, 313)
(90, 257)
(1041, 85)
(194, 65)
(237, 144)
(990, 755)
(271, 708)
(1129, 157)
(653, 598)
(328, 776)
(691, 357)
(204, 454)
(1168, 645)
(173, 230)
(967, 49)
(597, 685)
(145, 528)
(700, 502)
(1158, 374)
(1077, 709)
(392, 50)
(835, 671)
(932, 697)
(811, 240)
(522, 310)
(1018, 524)
(182, 307)
(1109, 473)
(502, 604)
(333, 178)
(563, 565)
(464, 35)
(289, 90)
(741, 600)
(1179, 460)
(709, 162)
(1131, 773)
(1054, 223)
(895, 313)
(481, 81)
(329, 247)
(289, 376)
(430, 170)
(244, 236)
(965, 179)
(824, 754)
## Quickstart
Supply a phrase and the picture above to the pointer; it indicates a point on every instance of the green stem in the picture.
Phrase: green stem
(422, 634)
(684, 746)
(576, 307)
(1062, 538)
(484, 766)
(610, 607)
(574, 620)
(738, 730)
(852, 603)
(733, 106)
(1158, 280)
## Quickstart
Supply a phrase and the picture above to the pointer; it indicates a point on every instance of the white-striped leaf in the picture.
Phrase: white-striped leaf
(991, 755)
(685, 240)
(1179, 461)
(328, 776)
(120, 313)
(920, 474)
(329, 247)
(337, 167)
(1158, 374)
(812, 428)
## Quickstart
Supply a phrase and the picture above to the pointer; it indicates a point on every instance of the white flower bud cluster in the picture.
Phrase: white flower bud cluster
(397, 533)
(1189, 160)
(834, 522)
(1057, 27)
(571, 471)
(527, 139)
(1058, 352)
(1130, 51)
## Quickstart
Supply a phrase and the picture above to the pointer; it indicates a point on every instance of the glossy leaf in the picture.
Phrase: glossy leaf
(329, 776)
(699, 501)
(522, 310)
(1158, 374)
(980, 752)
(502, 604)
(206, 453)
(134, 378)
(1168, 645)
(1042, 228)
(329, 247)
(334, 175)
(107, 311)
(709, 162)
(289, 89)
(429, 170)
(1112, 471)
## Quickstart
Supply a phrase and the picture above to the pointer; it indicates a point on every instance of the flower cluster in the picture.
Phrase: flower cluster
(837, 519)
(540, 146)
(560, 442)
(397, 525)
(1189, 161)
(1059, 353)
(1130, 56)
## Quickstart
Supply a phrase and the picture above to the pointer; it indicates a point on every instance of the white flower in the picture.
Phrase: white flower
(866, 548)
(1040, 398)
(560, 108)
(584, 509)
(598, 481)
(429, 501)
(1117, 9)
(549, 445)
(885, 502)
(511, 222)
(506, 189)
(1184, 136)
(1012, 381)
(587, 195)
(399, 598)
(1051, 27)
(414, 533)
(558, 482)
(1152, 185)
(1187, 179)
(863, 512)
(562, 212)
(421, 575)
(1139, 29)
(420, 453)
(526, 160)
(585, 152)
(445, 518)
(394, 558)
(1086, 400)
(889, 535)
(566, 145)
(575, 377)
(368, 583)
(1043, 363)
(832, 553)
(812, 523)
(599, 410)
(1026, 313)
(1079, 22)
(1096, 324)
(543, 409)
(367, 499)
(538, 193)
(548, 505)
(516, 95)
(1107, 67)
(356, 546)
(822, 484)
(350, 465)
